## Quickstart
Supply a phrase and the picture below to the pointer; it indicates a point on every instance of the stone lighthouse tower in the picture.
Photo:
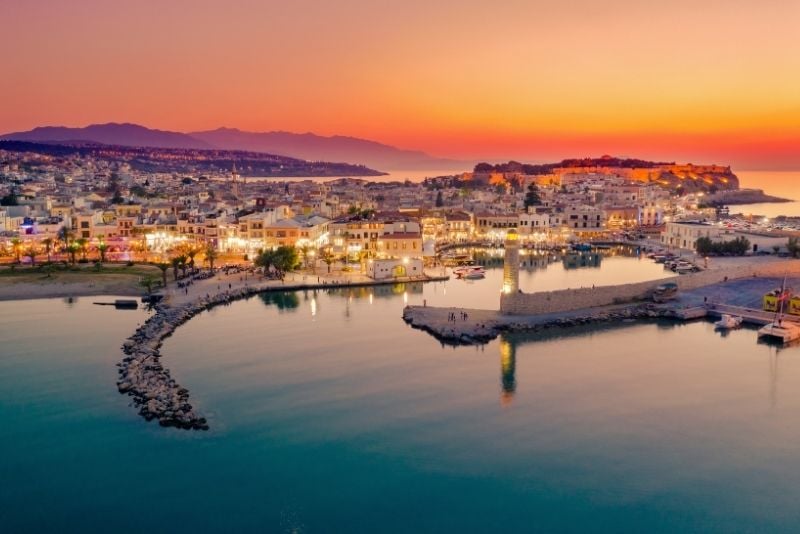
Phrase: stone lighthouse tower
(510, 272)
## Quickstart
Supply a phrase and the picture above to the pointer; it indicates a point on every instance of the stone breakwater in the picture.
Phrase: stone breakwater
(143, 377)
(488, 324)
(141, 374)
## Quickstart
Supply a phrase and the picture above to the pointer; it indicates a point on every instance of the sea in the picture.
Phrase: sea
(784, 184)
(329, 414)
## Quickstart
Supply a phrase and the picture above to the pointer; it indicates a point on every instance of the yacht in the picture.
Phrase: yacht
(780, 330)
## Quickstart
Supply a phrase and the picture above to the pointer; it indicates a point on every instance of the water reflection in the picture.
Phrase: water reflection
(282, 300)
(508, 367)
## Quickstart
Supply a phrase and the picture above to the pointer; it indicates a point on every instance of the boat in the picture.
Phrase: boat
(780, 330)
(471, 272)
(582, 247)
(728, 322)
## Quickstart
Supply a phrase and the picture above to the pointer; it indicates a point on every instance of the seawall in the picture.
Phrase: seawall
(583, 298)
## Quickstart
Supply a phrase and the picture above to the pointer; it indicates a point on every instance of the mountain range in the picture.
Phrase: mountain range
(307, 146)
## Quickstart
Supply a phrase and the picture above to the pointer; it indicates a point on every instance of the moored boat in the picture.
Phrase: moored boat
(728, 322)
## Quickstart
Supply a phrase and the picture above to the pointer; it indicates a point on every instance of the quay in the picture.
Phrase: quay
(731, 288)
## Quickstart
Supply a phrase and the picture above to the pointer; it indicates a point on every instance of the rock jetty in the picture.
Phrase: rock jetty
(143, 377)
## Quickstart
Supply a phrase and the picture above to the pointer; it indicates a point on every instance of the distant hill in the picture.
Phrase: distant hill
(191, 160)
(310, 146)
(109, 134)
(307, 146)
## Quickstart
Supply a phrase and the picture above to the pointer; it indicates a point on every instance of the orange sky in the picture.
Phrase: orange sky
(702, 80)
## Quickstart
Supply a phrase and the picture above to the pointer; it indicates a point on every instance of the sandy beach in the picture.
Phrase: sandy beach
(27, 283)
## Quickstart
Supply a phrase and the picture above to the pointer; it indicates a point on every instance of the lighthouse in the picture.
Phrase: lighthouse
(511, 263)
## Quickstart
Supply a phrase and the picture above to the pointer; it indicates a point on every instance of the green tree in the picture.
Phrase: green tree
(532, 197)
(328, 258)
(211, 255)
(16, 247)
(793, 246)
(102, 247)
(282, 259)
(48, 246)
(148, 282)
(176, 264)
(82, 243)
(439, 199)
(30, 252)
(163, 267)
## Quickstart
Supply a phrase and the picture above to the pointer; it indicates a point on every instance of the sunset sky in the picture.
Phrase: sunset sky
(710, 81)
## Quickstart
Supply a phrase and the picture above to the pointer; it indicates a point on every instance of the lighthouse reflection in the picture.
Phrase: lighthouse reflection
(508, 367)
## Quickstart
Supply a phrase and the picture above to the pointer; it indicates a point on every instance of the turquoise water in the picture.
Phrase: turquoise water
(328, 413)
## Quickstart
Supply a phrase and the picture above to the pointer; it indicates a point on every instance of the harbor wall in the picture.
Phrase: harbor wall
(575, 299)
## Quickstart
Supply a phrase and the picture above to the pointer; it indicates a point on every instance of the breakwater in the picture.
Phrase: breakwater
(143, 377)
(482, 326)
(576, 299)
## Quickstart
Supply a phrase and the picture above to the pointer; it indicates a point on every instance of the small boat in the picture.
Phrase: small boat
(780, 331)
(471, 272)
(728, 322)
(584, 247)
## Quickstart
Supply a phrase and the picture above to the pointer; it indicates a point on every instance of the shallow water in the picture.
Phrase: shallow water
(328, 413)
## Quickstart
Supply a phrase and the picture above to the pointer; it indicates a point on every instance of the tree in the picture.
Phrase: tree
(117, 198)
(148, 282)
(9, 200)
(282, 259)
(102, 247)
(72, 250)
(328, 258)
(82, 243)
(48, 246)
(532, 197)
(16, 247)
(176, 264)
(736, 247)
(191, 252)
(30, 252)
(793, 246)
(211, 255)
(163, 266)
(439, 200)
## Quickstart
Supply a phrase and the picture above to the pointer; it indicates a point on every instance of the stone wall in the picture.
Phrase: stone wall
(576, 299)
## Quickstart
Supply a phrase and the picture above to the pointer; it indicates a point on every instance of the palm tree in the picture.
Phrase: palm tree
(163, 266)
(16, 246)
(48, 246)
(191, 252)
(102, 247)
(64, 235)
(148, 282)
(31, 253)
(72, 249)
(82, 243)
(328, 258)
(304, 250)
(176, 264)
(211, 255)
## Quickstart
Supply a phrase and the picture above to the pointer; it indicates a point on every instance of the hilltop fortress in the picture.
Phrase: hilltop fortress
(687, 177)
